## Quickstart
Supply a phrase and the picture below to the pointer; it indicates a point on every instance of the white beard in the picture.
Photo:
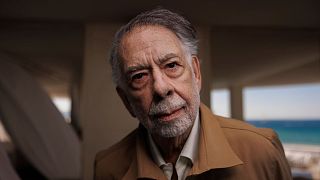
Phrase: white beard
(175, 127)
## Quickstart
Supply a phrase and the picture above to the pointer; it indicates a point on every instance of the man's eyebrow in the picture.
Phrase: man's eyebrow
(138, 67)
(167, 57)
(131, 69)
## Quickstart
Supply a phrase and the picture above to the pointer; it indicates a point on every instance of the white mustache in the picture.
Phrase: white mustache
(166, 106)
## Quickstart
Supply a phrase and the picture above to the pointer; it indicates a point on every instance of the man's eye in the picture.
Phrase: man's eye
(172, 65)
(137, 76)
(138, 80)
(174, 69)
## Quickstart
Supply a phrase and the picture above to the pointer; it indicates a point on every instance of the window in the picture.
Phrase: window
(294, 113)
(220, 102)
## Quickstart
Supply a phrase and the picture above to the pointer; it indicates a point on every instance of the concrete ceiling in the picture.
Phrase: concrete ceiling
(285, 13)
(256, 56)
(48, 36)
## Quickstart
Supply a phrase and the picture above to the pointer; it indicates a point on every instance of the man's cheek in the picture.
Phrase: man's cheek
(140, 105)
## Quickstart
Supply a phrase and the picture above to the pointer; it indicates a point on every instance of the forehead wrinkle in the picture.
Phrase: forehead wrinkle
(168, 56)
(148, 55)
(140, 65)
(131, 59)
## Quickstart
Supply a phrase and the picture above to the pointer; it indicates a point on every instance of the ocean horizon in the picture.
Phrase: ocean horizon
(293, 131)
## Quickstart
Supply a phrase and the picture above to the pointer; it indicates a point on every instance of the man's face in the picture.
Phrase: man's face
(161, 82)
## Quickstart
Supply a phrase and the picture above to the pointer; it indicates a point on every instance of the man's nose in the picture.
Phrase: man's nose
(161, 84)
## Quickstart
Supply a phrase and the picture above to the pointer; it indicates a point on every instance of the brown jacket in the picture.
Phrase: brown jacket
(228, 149)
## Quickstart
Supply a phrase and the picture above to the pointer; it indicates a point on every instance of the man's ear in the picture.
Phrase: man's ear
(125, 100)
(196, 70)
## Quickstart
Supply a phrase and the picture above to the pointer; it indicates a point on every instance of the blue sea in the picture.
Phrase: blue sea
(293, 131)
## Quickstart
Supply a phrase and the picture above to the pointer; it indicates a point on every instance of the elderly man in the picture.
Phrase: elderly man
(156, 70)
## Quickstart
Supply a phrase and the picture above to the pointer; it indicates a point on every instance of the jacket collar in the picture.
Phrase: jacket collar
(214, 151)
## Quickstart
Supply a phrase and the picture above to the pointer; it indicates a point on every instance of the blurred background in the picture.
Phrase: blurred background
(260, 63)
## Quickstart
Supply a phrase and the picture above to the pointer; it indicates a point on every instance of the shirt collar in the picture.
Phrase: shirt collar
(189, 150)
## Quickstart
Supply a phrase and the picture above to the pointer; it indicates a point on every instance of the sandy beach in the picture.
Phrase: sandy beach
(304, 159)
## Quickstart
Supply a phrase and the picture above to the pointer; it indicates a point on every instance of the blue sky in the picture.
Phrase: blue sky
(274, 102)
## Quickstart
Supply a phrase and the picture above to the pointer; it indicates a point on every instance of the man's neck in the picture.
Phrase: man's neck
(170, 148)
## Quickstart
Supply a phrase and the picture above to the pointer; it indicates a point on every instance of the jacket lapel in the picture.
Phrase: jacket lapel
(143, 166)
(214, 149)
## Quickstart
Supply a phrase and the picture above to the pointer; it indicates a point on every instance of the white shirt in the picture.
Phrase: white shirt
(186, 158)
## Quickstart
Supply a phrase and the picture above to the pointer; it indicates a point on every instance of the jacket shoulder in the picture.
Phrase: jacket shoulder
(229, 124)
(243, 135)
(255, 145)
(233, 126)
(113, 162)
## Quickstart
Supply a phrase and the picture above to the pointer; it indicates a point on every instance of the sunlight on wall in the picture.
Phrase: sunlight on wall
(4, 137)
(220, 102)
(64, 106)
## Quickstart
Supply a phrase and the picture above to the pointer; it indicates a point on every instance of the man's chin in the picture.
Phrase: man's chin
(171, 132)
